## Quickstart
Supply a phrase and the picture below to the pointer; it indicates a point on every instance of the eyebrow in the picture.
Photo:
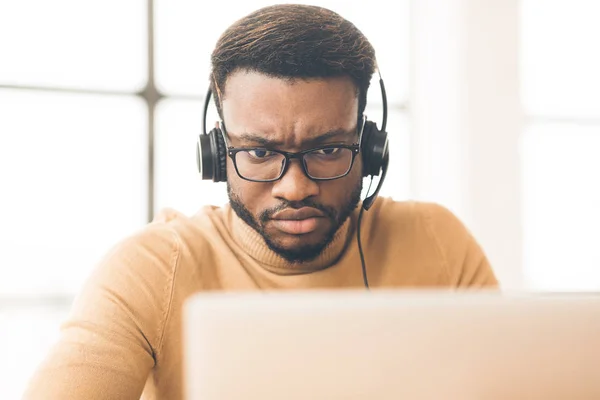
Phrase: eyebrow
(321, 139)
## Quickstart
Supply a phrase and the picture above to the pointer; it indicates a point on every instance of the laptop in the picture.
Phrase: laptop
(391, 345)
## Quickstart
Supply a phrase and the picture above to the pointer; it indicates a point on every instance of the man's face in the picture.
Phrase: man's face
(296, 216)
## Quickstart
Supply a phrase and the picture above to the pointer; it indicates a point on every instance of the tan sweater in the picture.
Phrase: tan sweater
(123, 336)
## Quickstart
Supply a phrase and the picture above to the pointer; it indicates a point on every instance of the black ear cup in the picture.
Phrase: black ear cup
(211, 156)
(374, 149)
(204, 157)
(221, 158)
(375, 156)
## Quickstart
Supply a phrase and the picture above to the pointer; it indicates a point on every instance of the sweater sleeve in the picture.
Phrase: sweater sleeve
(108, 345)
(464, 259)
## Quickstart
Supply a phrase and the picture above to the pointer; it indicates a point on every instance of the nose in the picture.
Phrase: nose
(294, 185)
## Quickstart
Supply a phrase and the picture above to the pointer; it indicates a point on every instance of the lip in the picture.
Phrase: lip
(297, 226)
(298, 221)
(298, 214)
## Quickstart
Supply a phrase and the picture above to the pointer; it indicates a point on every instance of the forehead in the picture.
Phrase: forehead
(288, 111)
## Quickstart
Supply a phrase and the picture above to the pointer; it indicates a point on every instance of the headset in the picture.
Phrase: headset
(211, 157)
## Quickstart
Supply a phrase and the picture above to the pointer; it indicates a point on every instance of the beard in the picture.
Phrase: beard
(303, 253)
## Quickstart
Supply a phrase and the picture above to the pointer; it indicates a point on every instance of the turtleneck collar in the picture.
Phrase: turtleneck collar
(254, 245)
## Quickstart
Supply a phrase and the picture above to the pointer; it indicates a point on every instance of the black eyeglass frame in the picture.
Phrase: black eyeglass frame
(355, 147)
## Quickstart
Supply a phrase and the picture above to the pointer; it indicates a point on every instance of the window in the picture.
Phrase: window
(561, 142)
(73, 159)
(68, 44)
(73, 181)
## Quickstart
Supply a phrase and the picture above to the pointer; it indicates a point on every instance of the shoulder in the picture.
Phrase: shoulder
(156, 250)
(434, 232)
(194, 235)
(429, 215)
(421, 221)
(136, 278)
(155, 246)
(413, 216)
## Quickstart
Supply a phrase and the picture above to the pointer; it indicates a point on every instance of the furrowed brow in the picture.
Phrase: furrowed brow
(260, 140)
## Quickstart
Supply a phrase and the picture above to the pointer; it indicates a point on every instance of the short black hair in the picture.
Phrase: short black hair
(296, 42)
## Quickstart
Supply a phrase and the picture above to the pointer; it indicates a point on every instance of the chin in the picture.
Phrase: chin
(298, 248)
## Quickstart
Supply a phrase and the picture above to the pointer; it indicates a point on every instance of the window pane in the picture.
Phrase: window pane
(186, 35)
(73, 173)
(561, 206)
(72, 43)
(179, 185)
(560, 58)
(26, 335)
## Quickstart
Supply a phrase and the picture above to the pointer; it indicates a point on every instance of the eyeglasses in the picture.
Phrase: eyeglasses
(323, 163)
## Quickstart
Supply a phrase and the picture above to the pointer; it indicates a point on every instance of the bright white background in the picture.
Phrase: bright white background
(494, 112)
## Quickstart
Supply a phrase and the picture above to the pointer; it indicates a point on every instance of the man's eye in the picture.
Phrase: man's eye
(328, 151)
(259, 153)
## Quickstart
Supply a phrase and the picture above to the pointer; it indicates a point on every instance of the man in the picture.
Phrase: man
(286, 79)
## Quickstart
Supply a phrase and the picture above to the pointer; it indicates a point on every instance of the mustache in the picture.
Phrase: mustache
(267, 214)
